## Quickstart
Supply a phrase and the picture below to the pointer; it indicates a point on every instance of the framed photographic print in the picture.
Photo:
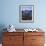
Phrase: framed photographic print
(26, 13)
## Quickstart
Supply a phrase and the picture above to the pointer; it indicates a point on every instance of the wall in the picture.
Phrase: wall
(9, 13)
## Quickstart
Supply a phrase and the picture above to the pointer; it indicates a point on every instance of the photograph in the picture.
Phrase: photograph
(26, 13)
(22, 23)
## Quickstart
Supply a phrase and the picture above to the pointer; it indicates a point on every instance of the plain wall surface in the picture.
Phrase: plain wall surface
(9, 13)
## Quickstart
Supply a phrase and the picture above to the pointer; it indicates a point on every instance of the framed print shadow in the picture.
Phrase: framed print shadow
(26, 13)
